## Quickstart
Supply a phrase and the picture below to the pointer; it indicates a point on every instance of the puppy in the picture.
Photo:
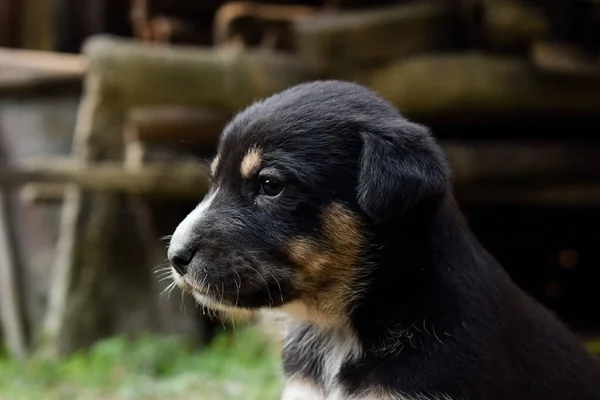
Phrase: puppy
(331, 208)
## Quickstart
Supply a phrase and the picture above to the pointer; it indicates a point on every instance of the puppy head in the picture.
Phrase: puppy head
(297, 180)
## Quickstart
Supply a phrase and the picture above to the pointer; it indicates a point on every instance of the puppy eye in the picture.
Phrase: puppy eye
(270, 187)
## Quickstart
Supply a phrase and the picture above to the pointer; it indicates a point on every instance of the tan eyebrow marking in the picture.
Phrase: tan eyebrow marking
(214, 165)
(251, 162)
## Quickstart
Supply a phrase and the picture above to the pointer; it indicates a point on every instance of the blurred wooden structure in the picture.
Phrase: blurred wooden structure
(468, 64)
(59, 25)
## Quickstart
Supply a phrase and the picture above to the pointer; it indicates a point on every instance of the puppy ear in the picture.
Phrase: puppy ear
(398, 168)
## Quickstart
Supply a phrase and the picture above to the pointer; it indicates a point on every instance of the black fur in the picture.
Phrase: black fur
(462, 328)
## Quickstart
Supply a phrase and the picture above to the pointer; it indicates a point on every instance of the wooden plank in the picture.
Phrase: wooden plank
(14, 321)
(584, 193)
(472, 163)
(27, 71)
(33, 193)
(172, 179)
(564, 59)
(168, 179)
(381, 34)
(37, 84)
(197, 77)
(447, 85)
(481, 86)
(44, 61)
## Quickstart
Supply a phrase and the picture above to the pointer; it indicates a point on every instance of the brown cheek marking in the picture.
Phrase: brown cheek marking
(251, 162)
(214, 165)
(328, 270)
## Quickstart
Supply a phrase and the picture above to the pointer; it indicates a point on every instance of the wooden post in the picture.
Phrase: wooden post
(76, 307)
(14, 322)
(13, 319)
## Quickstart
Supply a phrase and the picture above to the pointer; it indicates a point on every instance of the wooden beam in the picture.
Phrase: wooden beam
(564, 59)
(168, 179)
(472, 163)
(422, 86)
(523, 165)
(24, 72)
(38, 192)
(27, 71)
(481, 86)
(525, 193)
(197, 77)
(351, 38)
(44, 61)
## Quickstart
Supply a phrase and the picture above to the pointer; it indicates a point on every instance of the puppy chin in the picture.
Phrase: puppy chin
(226, 310)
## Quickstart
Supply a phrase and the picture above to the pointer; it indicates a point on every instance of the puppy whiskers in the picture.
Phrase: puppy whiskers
(238, 285)
(221, 303)
(166, 238)
(265, 284)
(182, 307)
(167, 291)
(278, 285)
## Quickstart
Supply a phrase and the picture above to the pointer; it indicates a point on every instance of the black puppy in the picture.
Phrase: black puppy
(332, 208)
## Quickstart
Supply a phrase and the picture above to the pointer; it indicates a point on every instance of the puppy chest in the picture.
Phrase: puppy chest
(313, 361)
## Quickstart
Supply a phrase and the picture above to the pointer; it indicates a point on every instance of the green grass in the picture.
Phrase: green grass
(235, 366)
(241, 366)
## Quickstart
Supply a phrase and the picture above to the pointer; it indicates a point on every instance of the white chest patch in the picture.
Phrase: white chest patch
(338, 350)
(296, 389)
(334, 348)
(341, 347)
(302, 390)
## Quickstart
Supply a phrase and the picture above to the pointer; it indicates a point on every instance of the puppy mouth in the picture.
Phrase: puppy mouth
(204, 290)
(189, 286)
(241, 292)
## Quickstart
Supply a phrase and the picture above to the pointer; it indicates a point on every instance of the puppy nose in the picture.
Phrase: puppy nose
(180, 257)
